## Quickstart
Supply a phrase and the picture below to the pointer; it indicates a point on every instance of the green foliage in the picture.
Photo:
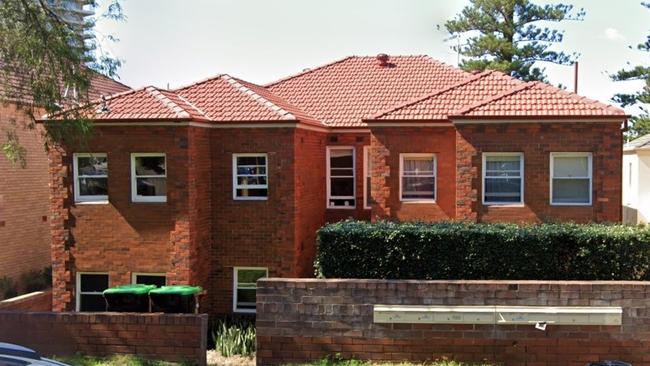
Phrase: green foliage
(234, 337)
(503, 35)
(46, 66)
(7, 288)
(37, 280)
(640, 125)
(117, 360)
(454, 250)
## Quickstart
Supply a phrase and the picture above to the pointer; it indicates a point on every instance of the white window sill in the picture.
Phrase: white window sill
(341, 208)
(367, 208)
(250, 199)
(572, 204)
(418, 201)
(105, 202)
(494, 204)
(152, 201)
(244, 311)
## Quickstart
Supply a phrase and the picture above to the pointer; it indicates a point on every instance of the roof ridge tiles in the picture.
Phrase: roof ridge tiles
(437, 92)
(493, 98)
(168, 103)
(201, 112)
(201, 81)
(307, 71)
(283, 113)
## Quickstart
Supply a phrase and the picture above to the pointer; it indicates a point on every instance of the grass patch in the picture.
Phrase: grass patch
(116, 360)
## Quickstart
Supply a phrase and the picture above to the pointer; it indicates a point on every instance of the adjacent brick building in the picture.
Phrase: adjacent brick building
(224, 181)
(24, 194)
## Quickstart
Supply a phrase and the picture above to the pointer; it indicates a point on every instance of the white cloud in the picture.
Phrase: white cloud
(613, 34)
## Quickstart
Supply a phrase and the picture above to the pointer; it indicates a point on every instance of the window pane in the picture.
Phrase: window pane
(92, 303)
(246, 298)
(369, 200)
(571, 191)
(570, 166)
(341, 159)
(93, 186)
(250, 275)
(252, 192)
(92, 165)
(152, 186)
(418, 187)
(418, 166)
(251, 160)
(503, 190)
(251, 170)
(251, 180)
(150, 280)
(94, 282)
(342, 187)
(150, 165)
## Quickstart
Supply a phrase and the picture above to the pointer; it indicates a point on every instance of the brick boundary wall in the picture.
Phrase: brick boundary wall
(306, 319)
(33, 301)
(169, 337)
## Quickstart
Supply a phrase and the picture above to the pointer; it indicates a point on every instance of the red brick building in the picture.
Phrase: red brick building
(224, 181)
(24, 193)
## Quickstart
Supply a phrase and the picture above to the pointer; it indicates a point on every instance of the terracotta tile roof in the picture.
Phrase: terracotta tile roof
(147, 103)
(99, 85)
(227, 99)
(345, 92)
(439, 104)
(537, 99)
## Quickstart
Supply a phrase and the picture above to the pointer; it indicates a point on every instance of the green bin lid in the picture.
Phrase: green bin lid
(182, 290)
(130, 289)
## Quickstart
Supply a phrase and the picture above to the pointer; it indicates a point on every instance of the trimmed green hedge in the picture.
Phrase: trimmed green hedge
(453, 250)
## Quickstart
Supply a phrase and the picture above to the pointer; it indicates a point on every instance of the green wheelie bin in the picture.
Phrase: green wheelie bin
(128, 298)
(179, 299)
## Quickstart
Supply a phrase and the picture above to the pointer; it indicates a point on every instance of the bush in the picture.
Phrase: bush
(7, 288)
(234, 337)
(454, 250)
(37, 280)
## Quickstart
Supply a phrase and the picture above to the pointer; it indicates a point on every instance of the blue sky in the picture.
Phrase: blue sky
(174, 42)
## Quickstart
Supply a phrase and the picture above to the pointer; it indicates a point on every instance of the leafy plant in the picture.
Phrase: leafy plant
(7, 288)
(234, 337)
(455, 250)
(35, 280)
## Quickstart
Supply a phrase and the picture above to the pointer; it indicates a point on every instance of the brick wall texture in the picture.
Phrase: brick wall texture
(35, 301)
(170, 337)
(307, 319)
(201, 234)
(24, 205)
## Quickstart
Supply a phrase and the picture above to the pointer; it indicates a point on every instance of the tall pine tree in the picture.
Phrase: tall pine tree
(640, 125)
(503, 35)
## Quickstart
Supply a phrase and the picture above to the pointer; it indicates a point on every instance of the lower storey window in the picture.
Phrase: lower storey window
(503, 178)
(90, 287)
(340, 183)
(157, 279)
(245, 288)
(418, 177)
(571, 175)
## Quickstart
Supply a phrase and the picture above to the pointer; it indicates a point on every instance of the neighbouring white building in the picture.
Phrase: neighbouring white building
(636, 181)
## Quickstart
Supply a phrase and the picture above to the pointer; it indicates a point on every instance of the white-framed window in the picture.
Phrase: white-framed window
(245, 288)
(340, 177)
(571, 178)
(250, 177)
(417, 177)
(148, 177)
(90, 289)
(503, 178)
(158, 279)
(90, 177)
(367, 183)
